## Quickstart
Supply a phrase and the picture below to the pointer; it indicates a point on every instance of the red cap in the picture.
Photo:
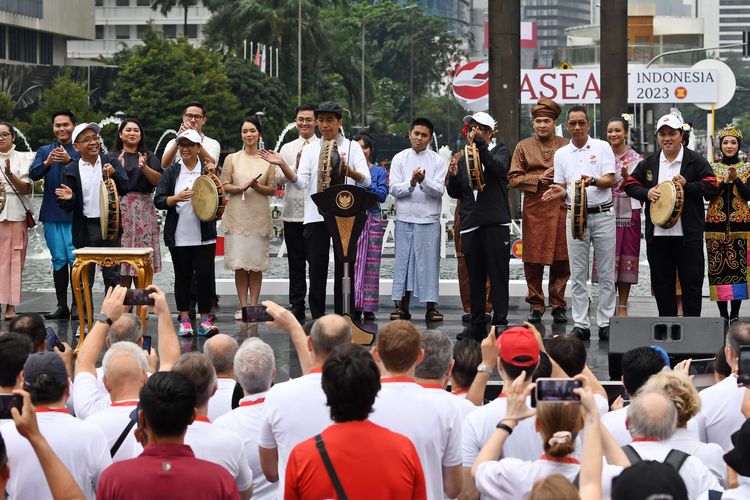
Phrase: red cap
(518, 342)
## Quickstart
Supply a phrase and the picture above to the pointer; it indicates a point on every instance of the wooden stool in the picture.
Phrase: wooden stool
(139, 258)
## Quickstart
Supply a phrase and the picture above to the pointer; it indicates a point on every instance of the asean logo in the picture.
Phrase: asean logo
(680, 92)
(344, 200)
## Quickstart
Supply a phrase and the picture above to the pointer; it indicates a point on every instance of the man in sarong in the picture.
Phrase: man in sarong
(543, 222)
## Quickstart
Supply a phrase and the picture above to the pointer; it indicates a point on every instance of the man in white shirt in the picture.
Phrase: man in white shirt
(207, 441)
(80, 446)
(677, 251)
(316, 234)
(721, 404)
(652, 420)
(592, 162)
(407, 408)
(255, 368)
(296, 410)
(194, 117)
(293, 213)
(637, 366)
(220, 350)
(435, 369)
(417, 182)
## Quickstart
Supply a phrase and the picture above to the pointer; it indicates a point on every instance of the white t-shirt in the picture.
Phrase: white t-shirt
(742, 492)
(188, 231)
(614, 422)
(294, 411)
(222, 447)
(463, 405)
(698, 479)
(421, 204)
(80, 446)
(221, 402)
(667, 171)
(88, 396)
(211, 146)
(594, 159)
(514, 478)
(525, 443)
(245, 422)
(721, 412)
(294, 199)
(113, 421)
(91, 179)
(710, 454)
(423, 416)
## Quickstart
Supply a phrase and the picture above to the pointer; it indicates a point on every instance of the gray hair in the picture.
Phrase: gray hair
(221, 350)
(126, 329)
(196, 367)
(128, 348)
(329, 331)
(438, 354)
(738, 335)
(652, 414)
(254, 365)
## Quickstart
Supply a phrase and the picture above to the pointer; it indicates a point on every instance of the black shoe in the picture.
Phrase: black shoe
(369, 316)
(581, 333)
(466, 318)
(357, 315)
(559, 316)
(535, 316)
(604, 333)
(62, 312)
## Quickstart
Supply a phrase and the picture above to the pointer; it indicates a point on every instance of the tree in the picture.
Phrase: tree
(165, 6)
(157, 78)
(65, 93)
(7, 106)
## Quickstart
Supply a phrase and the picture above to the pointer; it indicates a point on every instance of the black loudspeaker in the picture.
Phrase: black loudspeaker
(681, 337)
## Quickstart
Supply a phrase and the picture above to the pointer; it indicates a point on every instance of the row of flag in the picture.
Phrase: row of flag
(265, 57)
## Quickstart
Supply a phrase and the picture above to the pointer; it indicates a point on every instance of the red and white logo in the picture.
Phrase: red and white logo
(471, 85)
(680, 92)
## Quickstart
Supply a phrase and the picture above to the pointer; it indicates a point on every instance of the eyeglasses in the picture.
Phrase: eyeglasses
(88, 140)
(191, 116)
(5, 135)
(305, 120)
(579, 123)
(185, 145)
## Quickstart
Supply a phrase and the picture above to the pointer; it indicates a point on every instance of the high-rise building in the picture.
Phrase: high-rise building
(122, 23)
(457, 13)
(36, 31)
(734, 18)
(552, 18)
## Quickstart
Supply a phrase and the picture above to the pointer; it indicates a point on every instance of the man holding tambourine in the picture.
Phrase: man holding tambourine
(674, 176)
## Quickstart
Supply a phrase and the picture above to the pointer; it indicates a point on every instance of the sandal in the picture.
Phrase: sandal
(433, 315)
(400, 313)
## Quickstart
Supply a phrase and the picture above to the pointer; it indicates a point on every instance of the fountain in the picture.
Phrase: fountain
(166, 132)
(22, 136)
(116, 120)
(283, 133)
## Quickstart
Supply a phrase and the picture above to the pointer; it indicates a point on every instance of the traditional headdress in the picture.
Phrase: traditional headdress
(730, 131)
(546, 107)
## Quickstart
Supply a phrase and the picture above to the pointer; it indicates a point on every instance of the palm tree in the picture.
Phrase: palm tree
(165, 6)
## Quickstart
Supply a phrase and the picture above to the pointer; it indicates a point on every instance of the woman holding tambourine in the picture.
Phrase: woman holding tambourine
(191, 241)
(728, 227)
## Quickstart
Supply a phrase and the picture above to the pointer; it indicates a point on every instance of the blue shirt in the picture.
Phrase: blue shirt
(50, 211)
(378, 183)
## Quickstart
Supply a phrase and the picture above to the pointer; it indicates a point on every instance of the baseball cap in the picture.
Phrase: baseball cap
(45, 363)
(191, 135)
(481, 118)
(671, 121)
(518, 346)
(330, 107)
(84, 126)
(649, 479)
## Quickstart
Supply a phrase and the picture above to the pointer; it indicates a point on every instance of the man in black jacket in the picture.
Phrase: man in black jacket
(79, 193)
(485, 223)
(677, 251)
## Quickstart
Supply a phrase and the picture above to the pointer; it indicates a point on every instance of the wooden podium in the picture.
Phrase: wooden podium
(139, 258)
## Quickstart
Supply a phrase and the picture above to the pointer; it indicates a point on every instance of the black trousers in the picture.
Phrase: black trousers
(295, 256)
(487, 253)
(188, 261)
(110, 274)
(317, 247)
(669, 257)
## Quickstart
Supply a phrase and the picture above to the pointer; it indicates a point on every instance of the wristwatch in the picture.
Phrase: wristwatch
(104, 319)
(483, 368)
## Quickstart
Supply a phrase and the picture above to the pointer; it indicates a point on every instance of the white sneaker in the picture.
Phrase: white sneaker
(238, 315)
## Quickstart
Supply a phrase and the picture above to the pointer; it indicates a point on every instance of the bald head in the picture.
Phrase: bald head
(652, 415)
(125, 370)
(328, 332)
(221, 350)
(127, 328)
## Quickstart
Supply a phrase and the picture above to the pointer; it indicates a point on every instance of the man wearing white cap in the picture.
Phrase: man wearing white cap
(675, 251)
(79, 193)
(485, 222)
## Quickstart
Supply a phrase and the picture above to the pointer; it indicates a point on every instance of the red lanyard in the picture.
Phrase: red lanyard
(125, 403)
(252, 403)
(201, 418)
(46, 409)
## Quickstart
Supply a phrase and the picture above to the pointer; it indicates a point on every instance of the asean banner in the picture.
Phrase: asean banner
(673, 85)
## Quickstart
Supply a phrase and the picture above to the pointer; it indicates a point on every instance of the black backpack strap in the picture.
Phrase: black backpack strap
(632, 455)
(329, 467)
(676, 458)
(122, 437)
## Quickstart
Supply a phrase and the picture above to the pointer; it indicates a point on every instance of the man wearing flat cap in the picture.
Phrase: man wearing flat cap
(543, 222)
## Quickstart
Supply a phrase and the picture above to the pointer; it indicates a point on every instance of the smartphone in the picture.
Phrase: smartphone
(147, 343)
(138, 297)
(743, 369)
(53, 340)
(8, 401)
(704, 366)
(255, 314)
(557, 390)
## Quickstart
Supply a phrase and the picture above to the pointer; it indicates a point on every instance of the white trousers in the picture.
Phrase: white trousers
(600, 233)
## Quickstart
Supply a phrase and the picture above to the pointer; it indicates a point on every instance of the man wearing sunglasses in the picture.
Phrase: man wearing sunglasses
(592, 162)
